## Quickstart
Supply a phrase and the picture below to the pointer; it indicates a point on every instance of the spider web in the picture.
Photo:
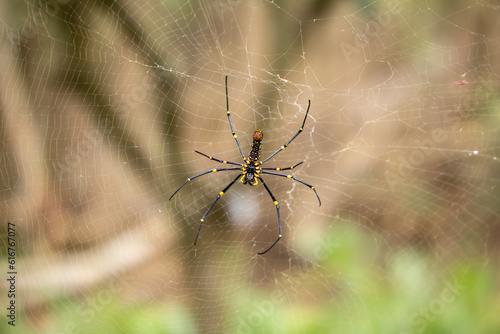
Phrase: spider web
(103, 105)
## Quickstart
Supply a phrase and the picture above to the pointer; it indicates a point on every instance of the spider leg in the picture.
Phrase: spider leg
(279, 219)
(204, 173)
(295, 136)
(231, 123)
(221, 161)
(278, 169)
(294, 178)
(211, 206)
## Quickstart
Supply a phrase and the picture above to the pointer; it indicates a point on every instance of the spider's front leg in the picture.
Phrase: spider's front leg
(280, 234)
(211, 206)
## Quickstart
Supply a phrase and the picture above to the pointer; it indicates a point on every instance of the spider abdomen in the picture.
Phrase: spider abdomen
(256, 146)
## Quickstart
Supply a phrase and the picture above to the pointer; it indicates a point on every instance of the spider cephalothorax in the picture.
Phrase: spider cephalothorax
(250, 170)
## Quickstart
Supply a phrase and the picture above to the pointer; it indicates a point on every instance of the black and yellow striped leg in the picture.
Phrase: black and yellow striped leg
(211, 206)
(278, 169)
(221, 161)
(293, 178)
(231, 123)
(204, 173)
(295, 136)
(279, 218)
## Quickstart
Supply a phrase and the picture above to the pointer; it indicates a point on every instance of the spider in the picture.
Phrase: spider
(251, 170)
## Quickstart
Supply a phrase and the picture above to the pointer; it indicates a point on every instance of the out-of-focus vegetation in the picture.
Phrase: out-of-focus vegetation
(409, 297)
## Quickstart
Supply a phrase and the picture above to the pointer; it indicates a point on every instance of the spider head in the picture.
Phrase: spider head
(257, 135)
(250, 174)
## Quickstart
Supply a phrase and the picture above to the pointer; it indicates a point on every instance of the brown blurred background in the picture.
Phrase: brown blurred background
(104, 103)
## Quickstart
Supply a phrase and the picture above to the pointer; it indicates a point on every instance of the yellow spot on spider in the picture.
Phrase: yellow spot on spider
(189, 179)
(224, 162)
(289, 176)
(214, 170)
(280, 235)
(228, 112)
(221, 193)
(275, 202)
(282, 147)
(202, 220)
(301, 129)
(235, 136)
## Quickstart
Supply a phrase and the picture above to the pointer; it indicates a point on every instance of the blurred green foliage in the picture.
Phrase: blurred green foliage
(411, 298)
